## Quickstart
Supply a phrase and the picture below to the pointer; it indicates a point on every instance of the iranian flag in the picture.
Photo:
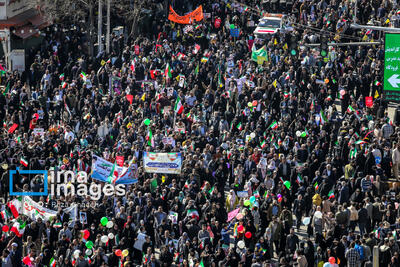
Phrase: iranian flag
(312, 104)
(323, 117)
(83, 76)
(15, 206)
(377, 83)
(167, 72)
(299, 178)
(316, 186)
(149, 138)
(263, 144)
(192, 213)
(61, 77)
(24, 162)
(196, 48)
(331, 194)
(57, 225)
(239, 126)
(53, 262)
(18, 228)
(350, 109)
(2, 69)
(133, 64)
(64, 84)
(274, 125)
(5, 214)
(113, 175)
(180, 56)
(178, 106)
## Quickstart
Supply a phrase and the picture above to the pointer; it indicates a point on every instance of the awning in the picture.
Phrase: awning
(25, 31)
(39, 21)
(18, 20)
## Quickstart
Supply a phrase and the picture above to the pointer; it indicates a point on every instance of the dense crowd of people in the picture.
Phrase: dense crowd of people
(269, 147)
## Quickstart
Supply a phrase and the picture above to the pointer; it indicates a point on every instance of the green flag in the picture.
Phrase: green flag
(153, 185)
(259, 55)
(7, 89)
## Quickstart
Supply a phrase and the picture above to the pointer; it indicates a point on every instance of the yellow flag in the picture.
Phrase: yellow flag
(275, 83)
(129, 125)
(163, 179)
(365, 37)
(376, 94)
(285, 47)
(143, 97)
(387, 21)
(102, 62)
(275, 41)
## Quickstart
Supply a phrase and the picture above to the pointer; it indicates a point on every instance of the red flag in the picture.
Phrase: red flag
(153, 74)
(369, 102)
(120, 160)
(137, 50)
(129, 98)
(12, 128)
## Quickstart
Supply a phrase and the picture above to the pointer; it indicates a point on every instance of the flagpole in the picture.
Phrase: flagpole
(173, 125)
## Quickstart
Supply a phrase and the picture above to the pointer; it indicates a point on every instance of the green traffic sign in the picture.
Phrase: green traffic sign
(391, 76)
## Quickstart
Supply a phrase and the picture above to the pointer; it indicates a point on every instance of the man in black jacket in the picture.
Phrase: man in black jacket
(298, 208)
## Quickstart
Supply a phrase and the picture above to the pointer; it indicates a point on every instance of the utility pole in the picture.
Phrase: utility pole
(108, 26)
(100, 27)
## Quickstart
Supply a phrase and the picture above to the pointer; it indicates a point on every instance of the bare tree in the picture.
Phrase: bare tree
(78, 11)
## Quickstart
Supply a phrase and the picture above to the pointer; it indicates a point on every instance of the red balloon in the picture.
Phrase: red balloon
(118, 252)
(332, 260)
(86, 234)
(27, 260)
(247, 235)
(5, 228)
(240, 228)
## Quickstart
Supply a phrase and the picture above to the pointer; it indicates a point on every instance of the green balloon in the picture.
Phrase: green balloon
(89, 244)
(247, 203)
(146, 122)
(287, 184)
(104, 221)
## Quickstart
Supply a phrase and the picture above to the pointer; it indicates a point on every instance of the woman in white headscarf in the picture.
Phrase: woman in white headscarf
(231, 201)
